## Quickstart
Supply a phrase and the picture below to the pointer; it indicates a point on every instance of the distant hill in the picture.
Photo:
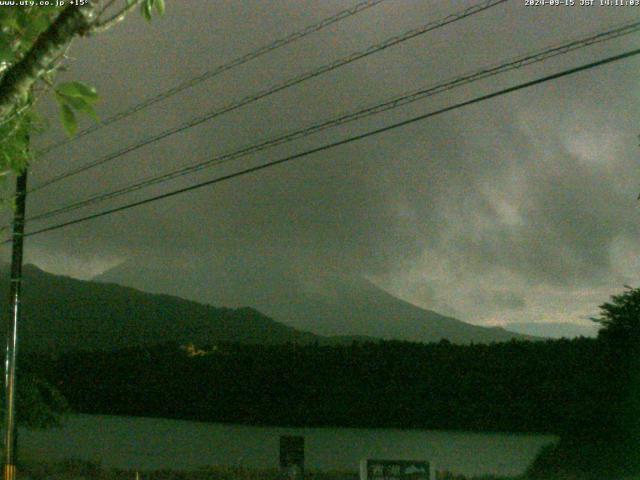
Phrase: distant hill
(358, 307)
(61, 313)
(326, 304)
(554, 329)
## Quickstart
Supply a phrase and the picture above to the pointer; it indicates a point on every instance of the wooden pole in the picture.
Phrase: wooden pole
(15, 291)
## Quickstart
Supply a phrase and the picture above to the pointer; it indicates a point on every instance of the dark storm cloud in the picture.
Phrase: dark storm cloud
(479, 212)
(570, 208)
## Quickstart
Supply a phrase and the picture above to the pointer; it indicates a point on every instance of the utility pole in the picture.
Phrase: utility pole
(15, 288)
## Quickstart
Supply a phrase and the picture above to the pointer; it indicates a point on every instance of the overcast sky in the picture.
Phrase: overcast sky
(518, 209)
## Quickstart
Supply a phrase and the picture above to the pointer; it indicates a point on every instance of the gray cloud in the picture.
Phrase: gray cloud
(517, 209)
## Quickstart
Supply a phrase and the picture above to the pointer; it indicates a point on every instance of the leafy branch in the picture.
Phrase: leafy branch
(78, 97)
(33, 43)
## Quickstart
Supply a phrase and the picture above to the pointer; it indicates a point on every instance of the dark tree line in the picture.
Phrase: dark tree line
(516, 386)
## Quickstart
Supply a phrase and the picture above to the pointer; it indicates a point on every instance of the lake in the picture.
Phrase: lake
(152, 443)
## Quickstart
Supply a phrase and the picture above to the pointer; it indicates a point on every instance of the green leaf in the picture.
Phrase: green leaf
(79, 104)
(14, 142)
(160, 7)
(8, 19)
(145, 9)
(68, 119)
(87, 91)
(78, 89)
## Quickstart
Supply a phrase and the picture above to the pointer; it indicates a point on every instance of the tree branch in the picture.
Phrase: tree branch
(99, 27)
(17, 81)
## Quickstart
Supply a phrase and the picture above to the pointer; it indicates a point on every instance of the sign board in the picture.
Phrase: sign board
(292, 456)
(395, 470)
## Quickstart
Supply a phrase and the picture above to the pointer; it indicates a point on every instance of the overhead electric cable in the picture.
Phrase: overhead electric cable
(454, 17)
(193, 81)
(395, 102)
(337, 143)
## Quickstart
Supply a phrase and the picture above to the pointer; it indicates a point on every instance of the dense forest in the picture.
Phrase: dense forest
(516, 386)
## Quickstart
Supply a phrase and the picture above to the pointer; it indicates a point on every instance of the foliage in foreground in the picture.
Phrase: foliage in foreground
(39, 404)
(606, 442)
(34, 41)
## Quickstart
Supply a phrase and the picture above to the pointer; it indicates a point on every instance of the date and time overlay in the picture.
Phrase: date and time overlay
(527, 3)
(582, 3)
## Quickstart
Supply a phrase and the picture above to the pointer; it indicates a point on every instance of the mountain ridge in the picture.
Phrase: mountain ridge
(63, 313)
(324, 302)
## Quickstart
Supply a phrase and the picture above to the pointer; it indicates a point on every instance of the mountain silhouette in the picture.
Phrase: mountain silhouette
(325, 303)
(61, 313)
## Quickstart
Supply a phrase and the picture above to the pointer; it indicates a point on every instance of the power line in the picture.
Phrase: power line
(338, 143)
(454, 17)
(236, 62)
(395, 102)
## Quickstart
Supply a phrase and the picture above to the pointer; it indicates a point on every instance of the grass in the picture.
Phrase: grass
(84, 470)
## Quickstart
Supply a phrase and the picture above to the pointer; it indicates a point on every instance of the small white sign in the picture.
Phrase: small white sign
(371, 469)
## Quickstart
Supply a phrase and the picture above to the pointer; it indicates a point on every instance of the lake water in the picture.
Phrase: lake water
(150, 443)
